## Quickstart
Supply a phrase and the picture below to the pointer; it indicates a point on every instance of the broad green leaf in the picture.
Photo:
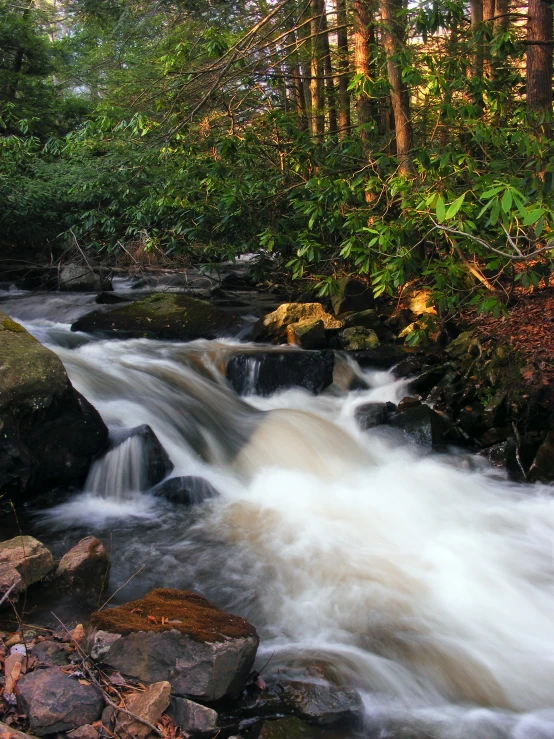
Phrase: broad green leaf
(532, 217)
(506, 201)
(454, 207)
(440, 209)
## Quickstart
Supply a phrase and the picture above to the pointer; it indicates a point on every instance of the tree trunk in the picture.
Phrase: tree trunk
(329, 77)
(343, 66)
(539, 59)
(316, 82)
(296, 81)
(364, 34)
(393, 40)
(487, 30)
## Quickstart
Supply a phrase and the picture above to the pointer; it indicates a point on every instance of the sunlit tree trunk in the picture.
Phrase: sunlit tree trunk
(539, 59)
(329, 77)
(296, 82)
(343, 67)
(364, 40)
(316, 81)
(394, 29)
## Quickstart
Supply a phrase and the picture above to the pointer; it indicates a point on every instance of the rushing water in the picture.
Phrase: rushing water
(427, 585)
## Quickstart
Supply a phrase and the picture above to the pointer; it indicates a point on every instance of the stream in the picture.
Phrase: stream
(425, 581)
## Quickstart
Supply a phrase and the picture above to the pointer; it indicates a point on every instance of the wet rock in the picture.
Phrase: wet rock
(85, 566)
(370, 415)
(381, 357)
(409, 366)
(156, 462)
(185, 490)
(81, 278)
(269, 372)
(421, 425)
(149, 705)
(28, 556)
(204, 653)
(109, 299)
(48, 432)
(495, 411)
(358, 339)
(54, 701)
(495, 435)
(10, 580)
(352, 295)
(426, 381)
(408, 402)
(322, 703)
(464, 346)
(191, 717)
(84, 732)
(471, 419)
(542, 469)
(308, 334)
(286, 728)
(273, 326)
(365, 319)
(161, 316)
(50, 653)
(399, 320)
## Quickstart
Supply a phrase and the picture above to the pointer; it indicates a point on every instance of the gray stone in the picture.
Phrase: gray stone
(185, 490)
(54, 701)
(265, 373)
(28, 556)
(81, 278)
(191, 717)
(322, 703)
(420, 424)
(370, 415)
(99, 643)
(86, 565)
(157, 464)
(50, 653)
(200, 670)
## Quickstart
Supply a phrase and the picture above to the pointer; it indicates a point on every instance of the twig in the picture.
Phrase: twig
(93, 679)
(121, 587)
(8, 591)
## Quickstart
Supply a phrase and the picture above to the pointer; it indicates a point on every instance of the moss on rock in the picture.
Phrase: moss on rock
(164, 609)
(163, 316)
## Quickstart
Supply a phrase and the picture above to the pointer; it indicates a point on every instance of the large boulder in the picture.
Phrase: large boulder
(28, 556)
(54, 701)
(85, 567)
(49, 433)
(161, 316)
(178, 636)
(421, 424)
(370, 415)
(82, 278)
(268, 372)
(273, 326)
(542, 469)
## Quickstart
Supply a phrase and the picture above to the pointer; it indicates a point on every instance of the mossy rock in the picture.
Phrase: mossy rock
(358, 338)
(163, 609)
(49, 433)
(161, 316)
(287, 728)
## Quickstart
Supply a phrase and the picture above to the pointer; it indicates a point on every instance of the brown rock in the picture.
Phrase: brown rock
(191, 717)
(28, 556)
(149, 705)
(11, 580)
(8, 732)
(309, 334)
(273, 326)
(85, 565)
(84, 732)
(54, 701)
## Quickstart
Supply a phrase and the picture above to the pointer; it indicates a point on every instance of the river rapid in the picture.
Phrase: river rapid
(425, 581)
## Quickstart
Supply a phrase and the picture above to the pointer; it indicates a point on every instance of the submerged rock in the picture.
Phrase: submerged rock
(370, 415)
(109, 299)
(54, 701)
(179, 636)
(268, 372)
(49, 433)
(286, 728)
(273, 326)
(185, 490)
(82, 278)
(542, 469)
(86, 566)
(161, 316)
(28, 556)
(322, 703)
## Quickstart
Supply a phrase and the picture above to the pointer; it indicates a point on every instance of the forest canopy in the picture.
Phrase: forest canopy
(391, 139)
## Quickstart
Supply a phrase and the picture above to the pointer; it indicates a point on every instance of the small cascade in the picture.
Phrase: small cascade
(121, 473)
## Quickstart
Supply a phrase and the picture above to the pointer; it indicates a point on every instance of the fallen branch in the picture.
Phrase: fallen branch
(8, 591)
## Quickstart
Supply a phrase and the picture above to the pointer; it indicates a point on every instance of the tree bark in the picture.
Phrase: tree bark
(394, 42)
(364, 35)
(539, 59)
(316, 81)
(343, 67)
(329, 77)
